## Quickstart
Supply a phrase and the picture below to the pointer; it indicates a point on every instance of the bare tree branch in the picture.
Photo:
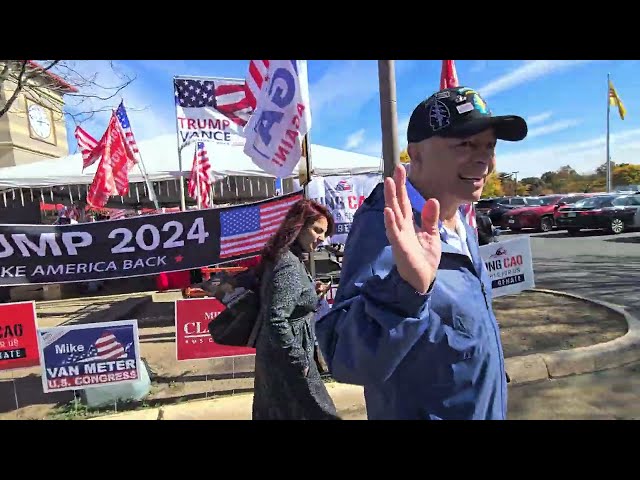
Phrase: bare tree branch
(16, 92)
(48, 80)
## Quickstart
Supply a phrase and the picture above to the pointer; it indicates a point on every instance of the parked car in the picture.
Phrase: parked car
(614, 213)
(539, 217)
(487, 233)
(506, 204)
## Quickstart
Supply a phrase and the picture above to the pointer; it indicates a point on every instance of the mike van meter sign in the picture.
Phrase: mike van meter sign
(18, 338)
(92, 355)
(342, 195)
(193, 340)
(510, 265)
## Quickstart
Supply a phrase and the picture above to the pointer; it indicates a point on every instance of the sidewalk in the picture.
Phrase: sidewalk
(349, 400)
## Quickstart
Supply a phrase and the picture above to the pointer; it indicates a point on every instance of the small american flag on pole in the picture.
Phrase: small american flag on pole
(132, 147)
(245, 230)
(200, 179)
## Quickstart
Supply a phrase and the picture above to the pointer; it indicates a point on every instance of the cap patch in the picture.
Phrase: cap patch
(464, 108)
(439, 115)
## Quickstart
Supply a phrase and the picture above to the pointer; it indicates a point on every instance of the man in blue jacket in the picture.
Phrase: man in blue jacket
(412, 320)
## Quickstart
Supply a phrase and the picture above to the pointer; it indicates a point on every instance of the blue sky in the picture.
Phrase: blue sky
(564, 102)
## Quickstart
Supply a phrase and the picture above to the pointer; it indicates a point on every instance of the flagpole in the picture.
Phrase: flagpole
(143, 169)
(182, 200)
(145, 176)
(312, 260)
(608, 177)
(388, 115)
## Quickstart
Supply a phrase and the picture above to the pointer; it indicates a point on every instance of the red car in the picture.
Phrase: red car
(539, 217)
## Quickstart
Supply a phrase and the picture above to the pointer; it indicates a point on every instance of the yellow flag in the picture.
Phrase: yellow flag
(614, 100)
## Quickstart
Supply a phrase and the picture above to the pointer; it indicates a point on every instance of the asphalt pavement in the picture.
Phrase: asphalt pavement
(595, 265)
(592, 264)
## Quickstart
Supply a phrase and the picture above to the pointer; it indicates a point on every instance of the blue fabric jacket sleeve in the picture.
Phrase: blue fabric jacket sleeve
(377, 317)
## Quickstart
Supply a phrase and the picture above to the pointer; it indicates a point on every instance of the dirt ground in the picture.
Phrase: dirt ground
(530, 322)
(535, 322)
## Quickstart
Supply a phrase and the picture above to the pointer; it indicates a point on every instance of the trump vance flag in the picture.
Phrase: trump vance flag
(211, 109)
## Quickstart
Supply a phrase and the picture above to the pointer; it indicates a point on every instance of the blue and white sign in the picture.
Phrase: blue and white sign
(281, 119)
(93, 355)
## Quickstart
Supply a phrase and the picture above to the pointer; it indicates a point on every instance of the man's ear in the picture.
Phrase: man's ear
(412, 150)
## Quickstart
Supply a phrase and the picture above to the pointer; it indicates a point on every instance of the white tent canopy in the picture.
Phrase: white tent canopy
(160, 157)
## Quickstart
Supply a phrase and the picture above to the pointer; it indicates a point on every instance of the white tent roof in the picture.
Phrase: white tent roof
(160, 157)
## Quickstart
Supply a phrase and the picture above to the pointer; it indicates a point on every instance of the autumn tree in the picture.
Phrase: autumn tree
(404, 156)
(47, 81)
(626, 174)
(492, 186)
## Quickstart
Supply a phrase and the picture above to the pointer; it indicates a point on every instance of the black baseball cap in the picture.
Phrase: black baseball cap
(460, 112)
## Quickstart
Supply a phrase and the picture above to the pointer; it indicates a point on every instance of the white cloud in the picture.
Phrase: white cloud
(584, 156)
(373, 146)
(541, 117)
(354, 140)
(528, 72)
(553, 127)
(479, 66)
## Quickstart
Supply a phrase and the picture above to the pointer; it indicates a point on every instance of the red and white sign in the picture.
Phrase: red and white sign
(193, 340)
(18, 338)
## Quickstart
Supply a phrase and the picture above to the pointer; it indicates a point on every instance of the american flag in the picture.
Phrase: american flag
(105, 348)
(200, 179)
(132, 147)
(228, 97)
(245, 230)
(468, 212)
(258, 70)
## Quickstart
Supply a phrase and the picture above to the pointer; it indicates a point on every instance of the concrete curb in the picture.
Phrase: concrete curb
(602, 356)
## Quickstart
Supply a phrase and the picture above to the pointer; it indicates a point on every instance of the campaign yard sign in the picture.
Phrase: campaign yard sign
(510, 265)
(193, 340)
(92, 355)
(18, 339)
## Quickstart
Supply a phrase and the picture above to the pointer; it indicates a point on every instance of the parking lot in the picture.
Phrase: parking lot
(591, 263)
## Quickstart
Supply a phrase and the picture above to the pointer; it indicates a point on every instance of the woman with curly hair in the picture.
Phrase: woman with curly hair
(287, 384)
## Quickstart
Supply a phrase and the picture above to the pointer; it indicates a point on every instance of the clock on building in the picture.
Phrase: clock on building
(40, 121)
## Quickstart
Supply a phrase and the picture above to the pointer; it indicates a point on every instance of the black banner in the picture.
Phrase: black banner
(145, 245)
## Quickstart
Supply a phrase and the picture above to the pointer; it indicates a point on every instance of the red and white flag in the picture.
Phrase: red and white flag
(201, 177)
(257, 73)
(448, 75)
(88, 147)
(449, 79)
(112, 175)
